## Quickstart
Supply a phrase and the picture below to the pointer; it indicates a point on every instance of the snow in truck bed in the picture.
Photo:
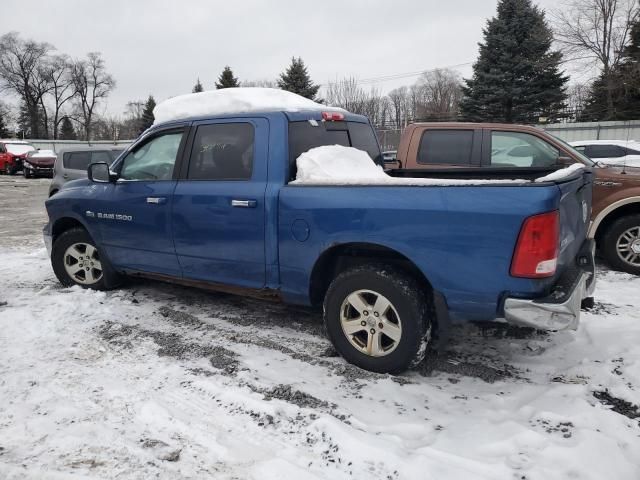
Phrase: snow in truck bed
(233, 100)
(338, 165)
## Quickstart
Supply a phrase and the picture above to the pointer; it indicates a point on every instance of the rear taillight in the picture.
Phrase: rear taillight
(536, 254)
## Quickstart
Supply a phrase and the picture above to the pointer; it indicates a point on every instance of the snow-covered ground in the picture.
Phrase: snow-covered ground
(160, 381)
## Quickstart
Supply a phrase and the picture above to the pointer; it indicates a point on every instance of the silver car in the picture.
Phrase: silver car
(72, 163)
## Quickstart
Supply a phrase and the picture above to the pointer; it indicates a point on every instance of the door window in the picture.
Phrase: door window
(516, 149)
(222, 151)
(76, 160)
(605, 151)
(153, 160)
(452, 147)
(100, 157)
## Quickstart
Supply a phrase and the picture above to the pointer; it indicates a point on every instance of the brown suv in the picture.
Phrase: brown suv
(506, 149)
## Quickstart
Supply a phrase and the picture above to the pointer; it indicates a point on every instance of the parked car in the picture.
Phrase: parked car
(38, 163)
(12, 154)
(72, 163)
(389, 156)
(612, 152)
(210, 202)
(510, 150)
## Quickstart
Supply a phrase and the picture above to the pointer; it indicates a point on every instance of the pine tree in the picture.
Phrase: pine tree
(630, 73)
(624, 85)
(147, 114)
(226, 79)
(197, 88)
(296, 79)
(517, 75)
(67, 132)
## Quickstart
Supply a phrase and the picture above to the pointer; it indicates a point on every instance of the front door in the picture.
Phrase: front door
(218, 207)
(135, 220)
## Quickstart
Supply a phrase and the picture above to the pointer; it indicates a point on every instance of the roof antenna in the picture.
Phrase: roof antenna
(624, 162)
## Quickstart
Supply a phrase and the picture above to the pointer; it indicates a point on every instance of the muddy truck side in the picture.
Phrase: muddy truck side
(211, 202)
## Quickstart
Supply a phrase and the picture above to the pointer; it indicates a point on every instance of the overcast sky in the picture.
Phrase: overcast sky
(161, 47)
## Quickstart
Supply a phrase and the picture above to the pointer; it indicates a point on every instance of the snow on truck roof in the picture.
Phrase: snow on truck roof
(233, 100)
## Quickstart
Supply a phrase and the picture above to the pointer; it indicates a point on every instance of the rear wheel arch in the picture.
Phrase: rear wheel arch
(339, 258)
(602, 225)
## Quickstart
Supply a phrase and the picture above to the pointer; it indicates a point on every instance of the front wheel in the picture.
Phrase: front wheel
(377, 318)
(77, 260)
(621, 244)
(27, 173)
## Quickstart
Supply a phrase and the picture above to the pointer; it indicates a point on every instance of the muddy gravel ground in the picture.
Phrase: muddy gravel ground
(159, 381)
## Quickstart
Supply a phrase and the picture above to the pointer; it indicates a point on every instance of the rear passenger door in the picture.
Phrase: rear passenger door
(439, 147)
(218, 213)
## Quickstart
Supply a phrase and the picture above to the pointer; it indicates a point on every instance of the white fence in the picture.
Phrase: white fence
(570, 132)
(56, 145)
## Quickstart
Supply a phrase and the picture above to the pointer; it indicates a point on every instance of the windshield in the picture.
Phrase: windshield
(583, 158)
(18, 148)
(41, 154)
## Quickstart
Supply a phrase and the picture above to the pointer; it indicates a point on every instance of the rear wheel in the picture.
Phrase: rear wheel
(621, 244)
(377, 318)
(77, 260)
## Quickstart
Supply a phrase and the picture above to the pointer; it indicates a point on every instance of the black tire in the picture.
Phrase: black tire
(108, 279)
(26, 173)
(610, 243)
(406, 297)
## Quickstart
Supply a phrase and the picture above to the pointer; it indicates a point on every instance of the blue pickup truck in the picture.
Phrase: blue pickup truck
(209, 202)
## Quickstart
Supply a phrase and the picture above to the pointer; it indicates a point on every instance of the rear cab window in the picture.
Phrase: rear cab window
(305, 135)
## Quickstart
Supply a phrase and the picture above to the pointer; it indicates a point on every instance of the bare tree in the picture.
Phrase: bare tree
(577, 98)
(439, 95)
(399, 99)
(92, 84)
(22, 72)
(58, 72)
(596, 30)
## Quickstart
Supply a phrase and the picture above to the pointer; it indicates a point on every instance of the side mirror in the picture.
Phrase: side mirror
(99, 172)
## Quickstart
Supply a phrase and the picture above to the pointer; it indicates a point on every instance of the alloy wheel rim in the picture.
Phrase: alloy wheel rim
(628, 246)
(371, 323)
(82, 263)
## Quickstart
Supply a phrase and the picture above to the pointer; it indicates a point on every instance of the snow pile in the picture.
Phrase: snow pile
(338, 165)
(43, 154)
(233, 100)
(562, 173)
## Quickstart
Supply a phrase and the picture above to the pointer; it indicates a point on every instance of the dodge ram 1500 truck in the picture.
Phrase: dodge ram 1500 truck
(210, 201)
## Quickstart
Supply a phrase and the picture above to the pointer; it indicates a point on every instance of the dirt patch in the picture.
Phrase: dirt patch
(618, 405)
(451, 363)
(301, 399)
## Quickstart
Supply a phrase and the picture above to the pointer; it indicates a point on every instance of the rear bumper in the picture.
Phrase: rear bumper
(561, 308)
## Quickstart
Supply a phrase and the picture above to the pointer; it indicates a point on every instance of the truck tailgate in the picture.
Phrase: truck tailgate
(575, 211)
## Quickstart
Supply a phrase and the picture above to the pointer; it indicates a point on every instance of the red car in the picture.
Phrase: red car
(12, 155)
(39, 163)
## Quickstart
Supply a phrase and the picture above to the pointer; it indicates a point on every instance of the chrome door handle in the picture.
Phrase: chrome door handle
(244, 203)
(156, 200)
